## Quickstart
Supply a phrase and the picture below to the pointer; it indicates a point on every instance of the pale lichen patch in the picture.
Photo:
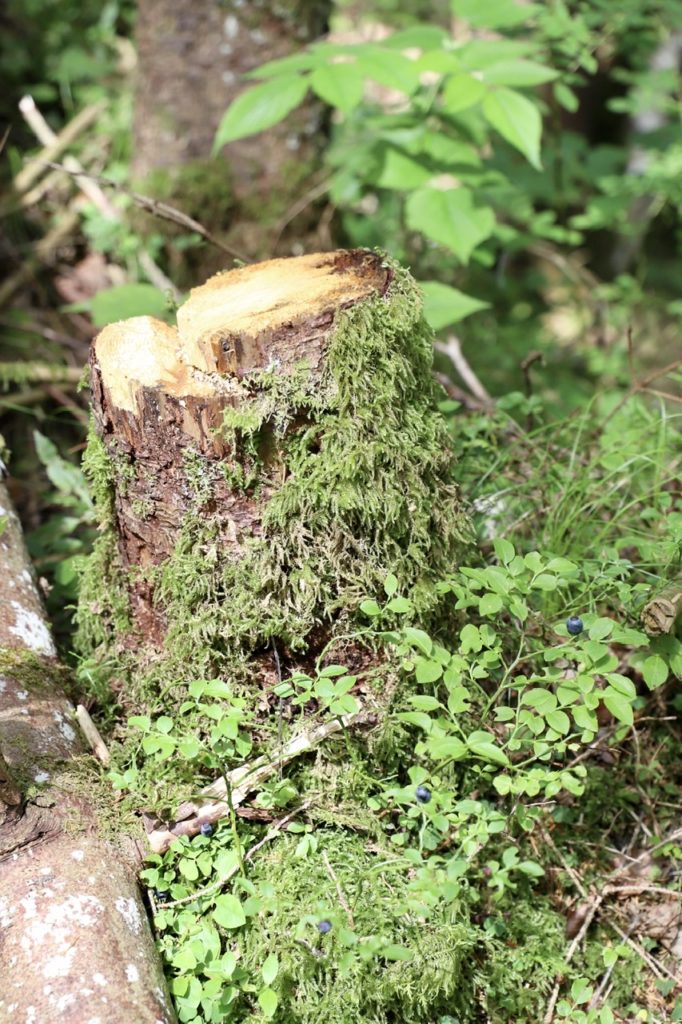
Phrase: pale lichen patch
(132, 973)
(30, 628)
(128, 909)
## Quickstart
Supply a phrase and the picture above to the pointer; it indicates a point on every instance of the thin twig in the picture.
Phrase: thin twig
(453, 349)
(34, 167)
(92, 735)
(91, 189)
(340, 893)
(250, 854)
(156, 207)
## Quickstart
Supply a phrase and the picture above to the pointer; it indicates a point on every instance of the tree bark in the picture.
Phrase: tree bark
(75, 944)
(192, 59)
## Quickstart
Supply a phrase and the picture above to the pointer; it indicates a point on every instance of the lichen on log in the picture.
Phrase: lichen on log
(75, 944)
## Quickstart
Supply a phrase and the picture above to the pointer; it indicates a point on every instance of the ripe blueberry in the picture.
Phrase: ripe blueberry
(574, 625)
(206, 829)
(161, 895)
(324, 927)
(422, 794)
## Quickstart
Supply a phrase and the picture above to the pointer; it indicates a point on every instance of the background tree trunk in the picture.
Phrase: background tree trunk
(192, 58)
(75, 944)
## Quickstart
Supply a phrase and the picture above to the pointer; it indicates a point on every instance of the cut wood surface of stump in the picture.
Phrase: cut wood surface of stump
(262, 466)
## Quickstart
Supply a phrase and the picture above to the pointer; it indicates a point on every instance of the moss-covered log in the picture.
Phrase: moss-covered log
(75, 944)
(262, 467)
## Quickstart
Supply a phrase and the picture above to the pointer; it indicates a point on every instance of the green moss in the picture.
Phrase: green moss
(358, 467)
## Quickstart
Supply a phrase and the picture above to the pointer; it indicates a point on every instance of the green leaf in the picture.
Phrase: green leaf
(259, 108)
(424, 702)
(389, 68)
(493, 13)
(655, 671)
(400, 605)
(444, 305)
(490, 604)
(402, 172)
(229, 912)
(393, 952)
(428, 671)
(443, 748)
(418, 718)
(270, 969)
(419, 639)
(390, 585)
(559, 721)
(601, 628)
(481, 744)
(517, 120)
(619, 706)
(450, 218)
(126, 300)
(339, 85)
(504, 550)
(370, 608)
(268, 1000)
(462, 91)
(518, 73)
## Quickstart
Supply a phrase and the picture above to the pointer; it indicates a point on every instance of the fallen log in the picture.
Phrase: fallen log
(75, 943)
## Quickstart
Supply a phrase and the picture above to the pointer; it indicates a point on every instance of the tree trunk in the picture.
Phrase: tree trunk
(262, 467)
(192, 59)
(75, 944)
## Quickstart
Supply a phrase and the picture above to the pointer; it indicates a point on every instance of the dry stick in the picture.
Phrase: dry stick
(660, 614)
(655, 966)
(339, 891)
(242, 781)
(643, 385)
(41, 251)
(453, 349)
(154, 206)
(92, 734)
(34, 167)
(250, 853)
(91, 189)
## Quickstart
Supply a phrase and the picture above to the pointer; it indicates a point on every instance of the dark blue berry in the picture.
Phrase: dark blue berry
(206, 829)
(423, 794)
(324, 927)
(161, 895)
(574, 625)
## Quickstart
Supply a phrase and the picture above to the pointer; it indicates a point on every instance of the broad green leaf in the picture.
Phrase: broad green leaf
(428, 671)
(289, 65)
(504, 550)
(461, 91)
(270, 969)
(601, 628)
(422, 37)
(518, 73)
(418, 718)
(655, 671)
(229, 912)
(450, 218)
(400, 605)
(390, 585)
(402, 172)
(444, 305)
(559, 721)
(268, 1000)
(443, 748)
(259, 108)
(126, 300)
(517, 120)
(419, 639)
(389, 68)
(493, 13)
(490, 604)
(188, 869)
(339, 85)
(370, 608)
(619, 706)
(424, 702)
(481, 744)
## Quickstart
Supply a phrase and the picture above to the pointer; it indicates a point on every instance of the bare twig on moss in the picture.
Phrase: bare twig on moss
(243, 780)
(208, 890)
(339, 891)
(92, 734)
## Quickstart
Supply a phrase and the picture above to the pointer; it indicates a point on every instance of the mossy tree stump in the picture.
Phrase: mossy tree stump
(262, 467)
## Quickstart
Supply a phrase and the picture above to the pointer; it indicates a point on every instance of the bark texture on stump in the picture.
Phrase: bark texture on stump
(264, 465)
(75, 945)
